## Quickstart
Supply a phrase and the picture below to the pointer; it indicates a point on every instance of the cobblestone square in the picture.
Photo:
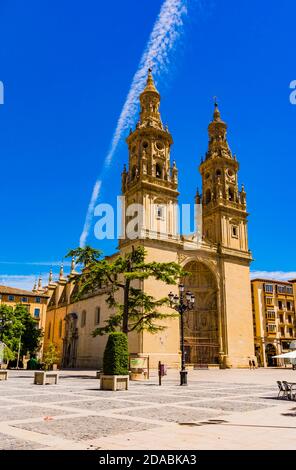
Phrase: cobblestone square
(219, 409)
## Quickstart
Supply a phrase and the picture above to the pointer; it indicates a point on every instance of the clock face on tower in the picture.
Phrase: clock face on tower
(230, 174)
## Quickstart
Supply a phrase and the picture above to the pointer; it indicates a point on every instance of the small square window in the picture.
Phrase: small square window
(234, 231)
(11, 298)
(25, 300)
(160, 212)
(37, 300)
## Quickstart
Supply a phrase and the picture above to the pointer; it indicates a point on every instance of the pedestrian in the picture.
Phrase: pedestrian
(250, 364)
(253, 364)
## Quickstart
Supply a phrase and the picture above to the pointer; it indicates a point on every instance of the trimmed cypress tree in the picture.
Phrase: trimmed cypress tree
(115, 360)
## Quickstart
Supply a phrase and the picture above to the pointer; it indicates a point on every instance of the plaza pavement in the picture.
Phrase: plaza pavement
(220, 409)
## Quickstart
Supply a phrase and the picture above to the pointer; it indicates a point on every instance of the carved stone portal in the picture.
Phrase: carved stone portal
(201, 332)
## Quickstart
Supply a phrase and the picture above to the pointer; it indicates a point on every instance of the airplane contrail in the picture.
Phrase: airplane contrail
(166, 31)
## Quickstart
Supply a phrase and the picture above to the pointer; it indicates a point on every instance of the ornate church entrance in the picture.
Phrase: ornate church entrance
(70, 341)
(201, 332)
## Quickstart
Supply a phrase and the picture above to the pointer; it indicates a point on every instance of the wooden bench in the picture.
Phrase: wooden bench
(3, 374)
(46, 378)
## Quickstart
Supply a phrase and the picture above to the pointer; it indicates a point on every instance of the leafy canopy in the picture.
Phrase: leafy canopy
(115, 360)
(50, 356)
(132, 308)
(19, 328)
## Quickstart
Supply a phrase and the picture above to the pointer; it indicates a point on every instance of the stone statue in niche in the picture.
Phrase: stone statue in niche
(219, 187)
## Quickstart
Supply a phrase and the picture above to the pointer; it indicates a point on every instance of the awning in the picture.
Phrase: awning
(288, 355)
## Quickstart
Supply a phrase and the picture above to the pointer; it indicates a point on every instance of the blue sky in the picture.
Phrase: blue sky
(67, 68)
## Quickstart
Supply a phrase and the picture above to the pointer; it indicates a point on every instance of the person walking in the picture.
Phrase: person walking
(250, 364)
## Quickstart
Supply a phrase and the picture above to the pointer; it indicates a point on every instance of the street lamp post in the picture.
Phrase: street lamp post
(181, 305)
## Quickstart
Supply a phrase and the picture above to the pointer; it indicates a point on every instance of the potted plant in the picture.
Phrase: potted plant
(50, 357)
(115, 363)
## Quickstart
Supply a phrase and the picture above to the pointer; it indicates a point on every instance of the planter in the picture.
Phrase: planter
(3, 374)
(114, 382)
(138, 375)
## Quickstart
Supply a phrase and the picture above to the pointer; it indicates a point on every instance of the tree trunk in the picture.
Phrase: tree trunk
(125, 307)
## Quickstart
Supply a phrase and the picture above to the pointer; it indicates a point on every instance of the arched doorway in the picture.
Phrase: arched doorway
(270, 351)
(201, 330)
(70, 341)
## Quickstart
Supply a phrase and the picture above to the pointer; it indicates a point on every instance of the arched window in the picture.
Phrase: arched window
(208, 196)
(230, 194)
(158, 170)
(83, 319)
(97, 315)
(60, 328)
(49, 330)
(134, 172)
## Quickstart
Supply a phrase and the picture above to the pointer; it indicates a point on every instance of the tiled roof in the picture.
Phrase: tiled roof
(269, 281)
(15, 291)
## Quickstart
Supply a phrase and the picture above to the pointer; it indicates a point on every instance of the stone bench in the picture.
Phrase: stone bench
(46, 378)
(3, 374)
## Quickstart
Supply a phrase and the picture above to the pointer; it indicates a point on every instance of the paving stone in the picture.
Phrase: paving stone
(13, 392)
(161, 398)
(203, 394)
(236, 405)
(173, 414)
(4, 403)
(12, 443)
(86, 428)
(25, 412)
(122, 394)
(100, 404)
(48, 398)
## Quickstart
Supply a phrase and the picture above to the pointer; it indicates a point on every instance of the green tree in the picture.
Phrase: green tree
(50, 356)
(19, 327)
(138, 311)
(85, 256)
(115, 360)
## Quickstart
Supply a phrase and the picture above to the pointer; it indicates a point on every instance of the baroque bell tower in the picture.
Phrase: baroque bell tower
(151, 180)
(224, 205)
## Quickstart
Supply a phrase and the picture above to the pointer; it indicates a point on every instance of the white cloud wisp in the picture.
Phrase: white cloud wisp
(274, 275)
(162, 41)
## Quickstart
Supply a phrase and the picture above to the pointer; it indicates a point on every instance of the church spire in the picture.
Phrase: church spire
(50, 276)
(217, 129)
(150, 85)
(72, 265)
(150, 101)
(216, 117)
(62, 271)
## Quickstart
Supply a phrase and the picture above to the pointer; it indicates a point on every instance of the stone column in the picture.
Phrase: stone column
(263, 351)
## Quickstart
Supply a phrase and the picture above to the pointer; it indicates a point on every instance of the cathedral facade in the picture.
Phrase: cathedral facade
(219, 330)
